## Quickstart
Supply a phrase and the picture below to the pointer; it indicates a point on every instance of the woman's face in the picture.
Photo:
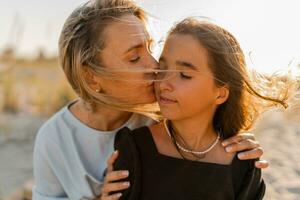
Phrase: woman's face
(191, 91)
(127, 48)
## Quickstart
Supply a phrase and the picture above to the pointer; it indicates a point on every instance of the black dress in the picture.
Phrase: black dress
(154, 176)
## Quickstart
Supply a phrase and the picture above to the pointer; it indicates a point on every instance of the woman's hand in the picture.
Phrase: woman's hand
(251, 148)
(112, 180)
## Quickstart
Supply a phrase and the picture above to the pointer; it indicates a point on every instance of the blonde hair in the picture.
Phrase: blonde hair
(81, 41)
(250, 94)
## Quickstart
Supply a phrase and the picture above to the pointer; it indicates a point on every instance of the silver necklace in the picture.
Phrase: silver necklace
(188, 150)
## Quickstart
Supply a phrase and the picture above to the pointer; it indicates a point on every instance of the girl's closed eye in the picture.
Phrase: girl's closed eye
(183, 75)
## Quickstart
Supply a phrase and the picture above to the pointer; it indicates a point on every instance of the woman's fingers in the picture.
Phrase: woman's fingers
(242, 145)
(111, 161)
(251, 148)
(116, 175)
(251, 154)
(110, 185)
(111, 197)
(262, 164)
(114, 187)
(238, 138)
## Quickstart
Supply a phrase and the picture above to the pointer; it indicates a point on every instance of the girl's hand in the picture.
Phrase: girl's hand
(112, 180)
(246, 142)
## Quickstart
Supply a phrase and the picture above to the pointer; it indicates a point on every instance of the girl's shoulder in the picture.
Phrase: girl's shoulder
(126, 133)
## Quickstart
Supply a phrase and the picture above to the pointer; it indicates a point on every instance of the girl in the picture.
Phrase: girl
(72, 147)
(206, 96)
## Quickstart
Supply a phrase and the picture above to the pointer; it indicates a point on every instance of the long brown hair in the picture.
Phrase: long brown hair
(250, 94)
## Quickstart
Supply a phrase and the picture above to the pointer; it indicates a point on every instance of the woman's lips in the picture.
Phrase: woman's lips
(150, 84)
(165, 100)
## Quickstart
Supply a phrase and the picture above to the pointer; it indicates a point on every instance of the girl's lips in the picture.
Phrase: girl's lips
(164, 100)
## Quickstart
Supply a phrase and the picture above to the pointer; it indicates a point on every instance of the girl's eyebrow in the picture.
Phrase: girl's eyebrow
(181, 64)
(186, 64)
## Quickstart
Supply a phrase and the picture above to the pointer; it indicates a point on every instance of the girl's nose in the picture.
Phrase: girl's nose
(165, 85)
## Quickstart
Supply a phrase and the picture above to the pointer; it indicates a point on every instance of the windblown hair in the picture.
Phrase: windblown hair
(81, 41)
(250, 94)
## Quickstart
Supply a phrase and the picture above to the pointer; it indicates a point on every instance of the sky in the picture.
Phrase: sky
(268, 30)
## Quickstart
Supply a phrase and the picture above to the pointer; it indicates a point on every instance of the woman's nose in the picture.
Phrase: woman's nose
(152, 65)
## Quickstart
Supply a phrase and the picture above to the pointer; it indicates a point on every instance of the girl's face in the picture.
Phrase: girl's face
(190, 92)
(127, 48)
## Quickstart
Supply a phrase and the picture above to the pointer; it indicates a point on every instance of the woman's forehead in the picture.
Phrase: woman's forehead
(125, 32)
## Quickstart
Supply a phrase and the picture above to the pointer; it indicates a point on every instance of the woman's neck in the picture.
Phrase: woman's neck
(197, 133)
(101, 117)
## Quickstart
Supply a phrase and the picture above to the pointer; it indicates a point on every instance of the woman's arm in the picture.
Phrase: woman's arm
(46, 184)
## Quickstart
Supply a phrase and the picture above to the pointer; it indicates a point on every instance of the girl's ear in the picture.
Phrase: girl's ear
(91, 79)
(223, 94)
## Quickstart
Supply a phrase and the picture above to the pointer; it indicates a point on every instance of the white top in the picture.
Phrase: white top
(70, 157)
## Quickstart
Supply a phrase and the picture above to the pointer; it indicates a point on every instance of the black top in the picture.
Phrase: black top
(154, 176)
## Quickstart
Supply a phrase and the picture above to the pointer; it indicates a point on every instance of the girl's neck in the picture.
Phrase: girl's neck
(101, 118)
(196, 134)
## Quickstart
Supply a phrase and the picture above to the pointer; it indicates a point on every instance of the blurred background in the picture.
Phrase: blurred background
(33, 87)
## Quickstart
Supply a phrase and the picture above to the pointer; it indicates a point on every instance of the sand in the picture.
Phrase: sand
(280, 137)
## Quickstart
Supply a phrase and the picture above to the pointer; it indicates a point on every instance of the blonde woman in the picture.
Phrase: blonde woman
(101, 42)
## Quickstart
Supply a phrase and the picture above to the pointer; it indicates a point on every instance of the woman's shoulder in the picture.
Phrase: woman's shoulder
(51, 129)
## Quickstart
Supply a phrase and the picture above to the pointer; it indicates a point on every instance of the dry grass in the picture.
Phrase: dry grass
(33, 87)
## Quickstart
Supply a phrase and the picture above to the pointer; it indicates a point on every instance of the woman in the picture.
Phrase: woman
(73, 146)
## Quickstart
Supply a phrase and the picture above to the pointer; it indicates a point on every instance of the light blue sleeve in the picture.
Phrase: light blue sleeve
(46, 183)
(38, 196)
(59, 171)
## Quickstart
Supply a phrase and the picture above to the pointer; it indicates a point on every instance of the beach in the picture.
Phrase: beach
(17, 133)
(280, 137)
